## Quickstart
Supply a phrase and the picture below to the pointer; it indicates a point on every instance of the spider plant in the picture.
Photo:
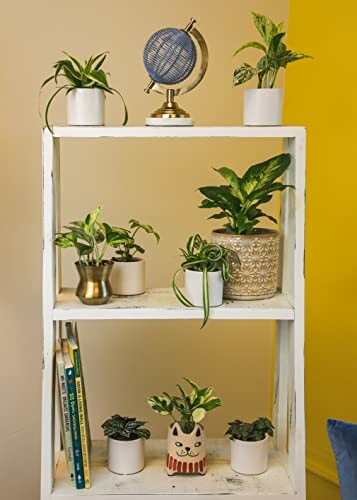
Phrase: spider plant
(276, 55)
(88, 75)
(203, 257)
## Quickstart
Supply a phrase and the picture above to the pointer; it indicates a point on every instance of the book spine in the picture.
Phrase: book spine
(74, 421)
(65, 427)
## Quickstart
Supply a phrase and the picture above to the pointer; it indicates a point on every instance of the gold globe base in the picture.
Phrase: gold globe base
(170, 113)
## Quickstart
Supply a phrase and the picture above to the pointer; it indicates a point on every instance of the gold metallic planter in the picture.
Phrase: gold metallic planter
(256, 276)
(94, 286)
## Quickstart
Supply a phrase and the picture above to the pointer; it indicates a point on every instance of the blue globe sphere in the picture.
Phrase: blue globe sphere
(170, 56)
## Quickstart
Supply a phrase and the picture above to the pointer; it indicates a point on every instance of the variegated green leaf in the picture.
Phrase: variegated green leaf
(265, 26)
(243, 74)
(263, 174)
(253, 45)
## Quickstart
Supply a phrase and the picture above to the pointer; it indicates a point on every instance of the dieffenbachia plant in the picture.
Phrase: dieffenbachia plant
(253, 431)
(276, 55)
(190, 407)
(125, 428)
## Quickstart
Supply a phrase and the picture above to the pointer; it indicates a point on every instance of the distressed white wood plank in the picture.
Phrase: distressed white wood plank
(161, 303)
(177, 132)
(280, 403)
(153, 480)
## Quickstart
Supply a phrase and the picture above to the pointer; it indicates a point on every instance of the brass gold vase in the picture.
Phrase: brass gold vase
(256, 275)
(94, 287)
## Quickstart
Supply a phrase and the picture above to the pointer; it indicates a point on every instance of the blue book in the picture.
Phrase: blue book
(74, 418)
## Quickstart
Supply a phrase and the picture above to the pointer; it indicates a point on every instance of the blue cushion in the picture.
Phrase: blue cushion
(343, 438)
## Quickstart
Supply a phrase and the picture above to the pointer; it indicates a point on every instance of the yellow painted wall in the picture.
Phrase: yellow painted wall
(321, 95)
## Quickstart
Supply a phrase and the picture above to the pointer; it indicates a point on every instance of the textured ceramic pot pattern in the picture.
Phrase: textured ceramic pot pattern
(86, 107)
(126, 457)
(194, 290)
(128, 278)
(263, 107)
(256, 276)
(94, 286)
(186, 453)
(249, 457)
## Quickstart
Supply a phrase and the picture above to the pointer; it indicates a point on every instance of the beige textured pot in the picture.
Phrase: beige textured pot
(128, 278)
(186, 453)
(256, 276)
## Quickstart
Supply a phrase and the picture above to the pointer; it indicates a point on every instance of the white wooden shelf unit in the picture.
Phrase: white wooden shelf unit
(285, 478)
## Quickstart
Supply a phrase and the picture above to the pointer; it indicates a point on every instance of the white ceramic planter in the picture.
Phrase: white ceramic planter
(249, 457)
(86, 107)
(193, 288)
(263, 107)
(126, 457)
(128, 278)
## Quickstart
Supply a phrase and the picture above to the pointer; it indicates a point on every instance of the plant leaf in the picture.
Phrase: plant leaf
(243, 74)
(263, 174)
(255, 45)
(265, 26)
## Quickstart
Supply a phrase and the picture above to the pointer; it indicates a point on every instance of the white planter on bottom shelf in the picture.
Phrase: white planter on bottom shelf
(86, 107)
(128, 278)
(249, 457)
(193, 288)
(126, 457)
(263, 107)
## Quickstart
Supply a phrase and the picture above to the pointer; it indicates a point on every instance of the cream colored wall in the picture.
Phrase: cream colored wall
(152, 180)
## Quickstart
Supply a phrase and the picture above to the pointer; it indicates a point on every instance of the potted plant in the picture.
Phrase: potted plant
(90, 239)
(250, 445)
(263, 106)
(206, 268)
(85, 86)
(255, 276)
(186, 442)
(126, 444)
(128, 276)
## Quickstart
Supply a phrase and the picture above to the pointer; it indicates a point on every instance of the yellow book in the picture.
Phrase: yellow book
(74, 354)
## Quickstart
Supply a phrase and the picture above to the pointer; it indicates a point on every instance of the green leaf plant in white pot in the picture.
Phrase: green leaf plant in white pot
(250, 445)
(126, 444)
(128, 276)
(85, 85)
(263, 106)
(186, 443)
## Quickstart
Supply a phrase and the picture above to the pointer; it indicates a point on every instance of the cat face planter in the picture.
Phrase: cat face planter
(186, 453)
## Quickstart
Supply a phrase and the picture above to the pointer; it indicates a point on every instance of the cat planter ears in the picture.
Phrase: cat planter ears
(186, 453)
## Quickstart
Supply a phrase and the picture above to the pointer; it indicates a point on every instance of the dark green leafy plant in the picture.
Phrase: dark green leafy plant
(203, 257)
(254, 431)
(124, 428)
(89, 75)
(191, 408)
(123, 240)
(239, 201)
(276, 55)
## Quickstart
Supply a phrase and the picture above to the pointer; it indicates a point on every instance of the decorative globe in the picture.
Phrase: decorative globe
(170, 56)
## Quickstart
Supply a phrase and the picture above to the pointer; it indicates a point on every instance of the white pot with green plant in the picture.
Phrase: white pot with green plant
(186, 443)
(128, 276)
(126, 444)
(263, 106)
(206, 268)
(250, 445)
(255, 275)
(85, 86)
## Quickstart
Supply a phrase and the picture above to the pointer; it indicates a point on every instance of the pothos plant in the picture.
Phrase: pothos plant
(187, 409)
(124, 428)
(238, 202)
(253, 431)
(203, 257)
(276, 55)
(123, 240)
(76, 75)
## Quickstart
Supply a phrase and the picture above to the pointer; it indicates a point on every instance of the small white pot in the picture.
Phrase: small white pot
(249, 457)
(128, 278)
(193, 288)
(263, 107)
(86, 107)
(126, 457)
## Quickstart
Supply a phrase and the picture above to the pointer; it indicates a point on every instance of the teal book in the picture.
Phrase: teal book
(74, 418)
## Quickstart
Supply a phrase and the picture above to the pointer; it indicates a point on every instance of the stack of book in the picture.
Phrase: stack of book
(73, 408)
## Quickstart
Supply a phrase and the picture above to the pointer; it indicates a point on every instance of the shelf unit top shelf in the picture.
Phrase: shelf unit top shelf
(161, 303)
(179, 132)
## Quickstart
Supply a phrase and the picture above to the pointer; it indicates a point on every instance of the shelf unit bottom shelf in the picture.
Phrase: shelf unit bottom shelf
(153, 481)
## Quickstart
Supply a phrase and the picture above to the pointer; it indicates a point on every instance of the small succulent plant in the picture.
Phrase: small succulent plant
(124, 428)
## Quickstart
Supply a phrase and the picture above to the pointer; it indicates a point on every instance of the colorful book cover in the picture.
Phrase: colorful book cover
(64, 411)
(73, 414)
(81, 402)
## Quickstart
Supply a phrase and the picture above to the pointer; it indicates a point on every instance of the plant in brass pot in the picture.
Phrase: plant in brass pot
(126, 444)
(85, 85)
(250, 445)
(239, 202)
(128, 276)
(263, 106)
(206, 267)
(186, 443)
